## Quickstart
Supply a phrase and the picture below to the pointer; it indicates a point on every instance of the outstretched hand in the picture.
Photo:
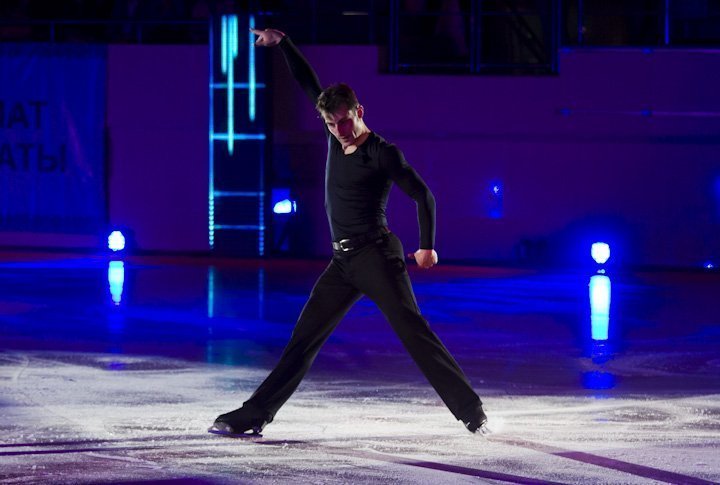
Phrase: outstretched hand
(268, 37)
(425, 258)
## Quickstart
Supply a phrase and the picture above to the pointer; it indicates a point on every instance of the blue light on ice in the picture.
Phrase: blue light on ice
(599, 306)
(116, 280)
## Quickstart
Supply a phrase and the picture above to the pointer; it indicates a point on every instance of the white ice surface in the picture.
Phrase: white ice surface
(66, 418)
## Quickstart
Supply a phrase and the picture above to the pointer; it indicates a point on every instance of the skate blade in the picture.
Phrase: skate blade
(484, 430)
(224, 429)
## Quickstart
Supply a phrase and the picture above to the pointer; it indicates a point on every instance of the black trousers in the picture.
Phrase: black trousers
(378, 271)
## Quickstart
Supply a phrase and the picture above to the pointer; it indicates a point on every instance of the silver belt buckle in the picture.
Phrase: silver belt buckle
(341, 244)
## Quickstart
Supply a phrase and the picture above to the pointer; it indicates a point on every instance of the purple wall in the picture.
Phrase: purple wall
(646, 182)
(157, 123)
(158, 135)
(651, 181)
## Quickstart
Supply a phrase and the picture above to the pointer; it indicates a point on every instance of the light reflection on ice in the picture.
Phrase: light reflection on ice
(261, 293)
(116, 280)
(600, 306)
(600, 352)
(211, 277)
(75, 423)
(598, 380)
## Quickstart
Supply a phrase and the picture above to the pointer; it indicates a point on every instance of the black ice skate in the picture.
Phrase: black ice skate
(243, 422)
(477, 421)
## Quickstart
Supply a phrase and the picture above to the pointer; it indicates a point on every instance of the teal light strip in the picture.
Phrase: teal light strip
(211, 292)
(211, 144)
(229, 39)
(225, 193)
(229, 54)
(211, 220)
(251, 99)
(237, 85)
(223, 44)
(240, 136)
(251, 71)
(241, 227)
(252, 93)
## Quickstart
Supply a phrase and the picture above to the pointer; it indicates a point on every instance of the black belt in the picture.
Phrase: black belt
(356, 242)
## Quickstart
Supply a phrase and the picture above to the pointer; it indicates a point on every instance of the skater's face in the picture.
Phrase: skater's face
(345, 124)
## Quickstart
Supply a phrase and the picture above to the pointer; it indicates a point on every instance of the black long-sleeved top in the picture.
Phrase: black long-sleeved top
(357, 185)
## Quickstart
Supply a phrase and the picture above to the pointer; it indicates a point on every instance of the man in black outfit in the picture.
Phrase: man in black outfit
(367, 258)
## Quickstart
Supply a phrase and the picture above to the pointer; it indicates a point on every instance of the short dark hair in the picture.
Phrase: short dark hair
(334, 97)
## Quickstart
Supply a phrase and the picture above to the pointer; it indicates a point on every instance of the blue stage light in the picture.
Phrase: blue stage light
(600, 252)
(709, 265)
(285, 207)
(599, 306)
(496, 200)
(116, 241)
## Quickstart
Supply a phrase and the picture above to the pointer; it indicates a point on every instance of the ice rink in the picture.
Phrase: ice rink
(112, 374)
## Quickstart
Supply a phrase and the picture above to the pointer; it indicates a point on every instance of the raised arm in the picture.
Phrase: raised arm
(300, 68)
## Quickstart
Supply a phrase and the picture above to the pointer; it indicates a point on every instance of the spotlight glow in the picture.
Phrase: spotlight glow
(285, 207)
(495, 201)
(116, 241)
(600, 252)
